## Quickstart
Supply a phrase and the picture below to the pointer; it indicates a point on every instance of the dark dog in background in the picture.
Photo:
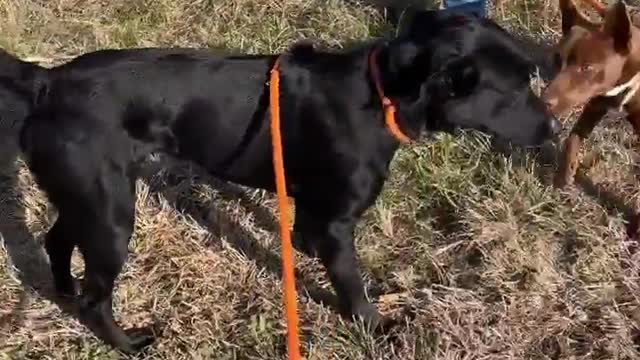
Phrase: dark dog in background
(397, 12)
(90, 122)
(400, 14)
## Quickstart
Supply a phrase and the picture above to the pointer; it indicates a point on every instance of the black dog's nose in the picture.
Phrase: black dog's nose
(555, 126)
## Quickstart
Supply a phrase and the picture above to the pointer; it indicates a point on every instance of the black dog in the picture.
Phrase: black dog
(91, 121)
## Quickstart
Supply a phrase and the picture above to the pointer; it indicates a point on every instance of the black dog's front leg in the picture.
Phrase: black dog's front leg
(338, 254)
(333, 242)
(301, 236)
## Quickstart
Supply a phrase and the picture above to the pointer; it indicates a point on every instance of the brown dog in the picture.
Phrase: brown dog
(600, 67)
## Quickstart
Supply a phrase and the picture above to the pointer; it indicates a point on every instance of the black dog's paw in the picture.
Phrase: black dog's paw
(303, 246)
(369, 315)
(386, 324)
(139, 339)
(378, 324)
(69, 289)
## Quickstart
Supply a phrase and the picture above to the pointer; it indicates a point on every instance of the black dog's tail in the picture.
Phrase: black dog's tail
(21, 83)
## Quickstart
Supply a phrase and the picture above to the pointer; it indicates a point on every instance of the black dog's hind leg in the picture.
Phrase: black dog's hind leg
(87, 175)
(105, 247)
(59, 244)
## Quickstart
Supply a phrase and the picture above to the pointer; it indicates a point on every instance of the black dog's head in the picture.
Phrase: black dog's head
(471, 75)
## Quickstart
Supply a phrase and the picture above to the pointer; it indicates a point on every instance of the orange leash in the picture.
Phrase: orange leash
(289, 284)
(387, 106)
(597, 6)
(293, 342)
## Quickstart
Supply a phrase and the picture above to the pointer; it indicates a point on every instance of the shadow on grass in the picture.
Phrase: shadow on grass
(219, 223)
(28, 257)
(26, 254)
(546, 164)
(613, 202)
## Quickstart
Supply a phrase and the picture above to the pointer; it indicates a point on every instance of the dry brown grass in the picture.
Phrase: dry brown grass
(493, 262)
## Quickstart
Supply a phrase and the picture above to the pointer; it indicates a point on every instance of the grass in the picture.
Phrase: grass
(492, 262)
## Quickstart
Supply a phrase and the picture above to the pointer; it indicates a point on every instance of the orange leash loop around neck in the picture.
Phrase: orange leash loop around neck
(387, 106)
(288, 276)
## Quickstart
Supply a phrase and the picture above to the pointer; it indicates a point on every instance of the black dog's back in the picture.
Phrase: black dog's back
(174, 100)
(179, 101)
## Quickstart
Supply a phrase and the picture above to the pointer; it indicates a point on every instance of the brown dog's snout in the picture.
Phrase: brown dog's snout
(556, 105)
(551, 103)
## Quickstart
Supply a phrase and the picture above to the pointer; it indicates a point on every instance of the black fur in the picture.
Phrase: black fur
(91, 121)
(403, 13)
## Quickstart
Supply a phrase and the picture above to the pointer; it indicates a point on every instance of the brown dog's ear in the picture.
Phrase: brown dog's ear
(617, 24)
(572, 17)
(567, 42)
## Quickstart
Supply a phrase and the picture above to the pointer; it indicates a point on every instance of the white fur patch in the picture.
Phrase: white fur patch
(632, 86)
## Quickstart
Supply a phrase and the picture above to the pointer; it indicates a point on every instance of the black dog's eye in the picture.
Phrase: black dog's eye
(449, 87)
(457, 79)
(557, 61)
(572, 58)
(463, 83)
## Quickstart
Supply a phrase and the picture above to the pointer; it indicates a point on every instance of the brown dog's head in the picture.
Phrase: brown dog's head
(593, 57)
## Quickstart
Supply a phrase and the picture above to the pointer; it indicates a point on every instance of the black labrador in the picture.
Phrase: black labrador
(90, 122)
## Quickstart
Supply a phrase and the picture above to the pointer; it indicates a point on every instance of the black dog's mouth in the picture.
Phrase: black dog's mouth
(508, 147)
(503, 145)
(499, 142)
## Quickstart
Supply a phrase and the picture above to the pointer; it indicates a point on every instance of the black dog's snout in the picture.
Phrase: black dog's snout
(555, 127)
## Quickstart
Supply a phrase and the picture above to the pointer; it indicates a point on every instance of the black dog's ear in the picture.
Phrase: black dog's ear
(402, 57)
(407, 66)
(421, 22)
(459, 78)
